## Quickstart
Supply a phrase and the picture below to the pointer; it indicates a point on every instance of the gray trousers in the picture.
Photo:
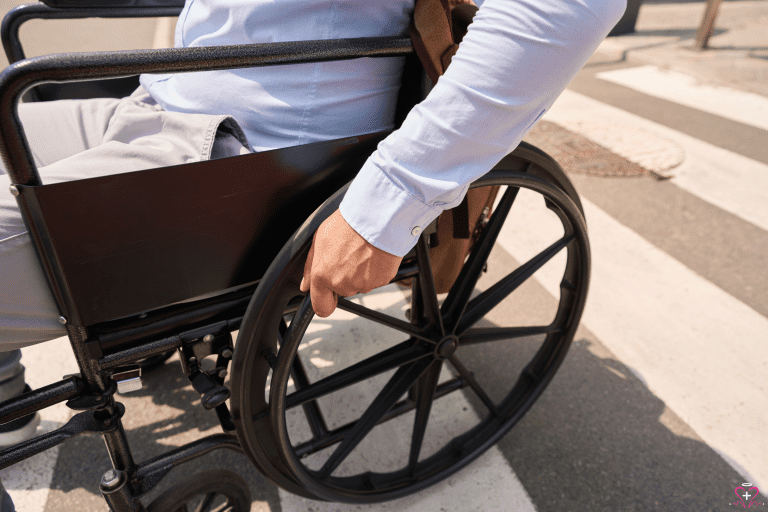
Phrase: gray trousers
(11, 385)
(6, 503)
(76, 139)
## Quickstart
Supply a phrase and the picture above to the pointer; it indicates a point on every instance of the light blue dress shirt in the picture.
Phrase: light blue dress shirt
(516, 59)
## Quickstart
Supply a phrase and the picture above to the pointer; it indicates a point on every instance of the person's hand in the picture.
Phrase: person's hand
(341, 262)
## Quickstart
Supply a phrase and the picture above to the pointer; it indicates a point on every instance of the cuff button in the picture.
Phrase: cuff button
(416, 231)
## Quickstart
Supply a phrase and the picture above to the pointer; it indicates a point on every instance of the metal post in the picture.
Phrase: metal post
(114, 488)
(96, 380)
(707, 24)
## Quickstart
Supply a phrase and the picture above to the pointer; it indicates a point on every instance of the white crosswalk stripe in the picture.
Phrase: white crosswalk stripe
(744, 107)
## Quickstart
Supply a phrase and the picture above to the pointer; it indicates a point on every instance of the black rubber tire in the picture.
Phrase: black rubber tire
(217, 482)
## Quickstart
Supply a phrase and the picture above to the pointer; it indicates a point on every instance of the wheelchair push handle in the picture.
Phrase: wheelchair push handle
(114, 3)
(21, 76)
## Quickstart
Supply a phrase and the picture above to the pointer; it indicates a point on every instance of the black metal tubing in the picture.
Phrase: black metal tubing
(97, 381)
(21, 76)
(149, 473)
(165, 323)
(163, 345)
(39, 399)
(141, 352)
(9, 30)
(120, 496)
(78, 424)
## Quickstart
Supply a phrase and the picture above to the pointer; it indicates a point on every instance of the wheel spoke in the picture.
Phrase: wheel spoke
(479, 391)
(402, 353)
(490, 298)
(206, 503)
(400, 408)
(460, 292)
(383, 319)
(475, 336)
(281, 330)
(387, 397)
(311, 409)
(427, 285)
(425, 395)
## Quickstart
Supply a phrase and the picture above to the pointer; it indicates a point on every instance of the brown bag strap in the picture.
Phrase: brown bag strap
(432, 33)
(436, 29)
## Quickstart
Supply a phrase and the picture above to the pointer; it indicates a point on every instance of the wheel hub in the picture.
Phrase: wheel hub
(446, 347)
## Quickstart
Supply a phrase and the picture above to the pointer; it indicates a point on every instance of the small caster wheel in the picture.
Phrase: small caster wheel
(210, 491)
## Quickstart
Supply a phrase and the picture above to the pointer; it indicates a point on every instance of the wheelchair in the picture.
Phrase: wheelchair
(128, 258)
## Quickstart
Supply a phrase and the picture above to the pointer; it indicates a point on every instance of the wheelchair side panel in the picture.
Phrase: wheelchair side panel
(120, 245)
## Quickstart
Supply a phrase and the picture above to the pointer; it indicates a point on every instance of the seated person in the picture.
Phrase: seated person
(515, 60)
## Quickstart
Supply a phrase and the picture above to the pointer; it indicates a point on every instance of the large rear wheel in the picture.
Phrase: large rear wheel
(370, 405)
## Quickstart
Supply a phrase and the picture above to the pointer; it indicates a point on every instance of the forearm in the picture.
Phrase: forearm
(515, 60)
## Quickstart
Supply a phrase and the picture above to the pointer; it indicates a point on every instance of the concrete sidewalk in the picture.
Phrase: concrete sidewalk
(665, 35)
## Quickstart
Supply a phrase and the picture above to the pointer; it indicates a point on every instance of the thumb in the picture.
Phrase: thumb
(324, 301)
(307, 277)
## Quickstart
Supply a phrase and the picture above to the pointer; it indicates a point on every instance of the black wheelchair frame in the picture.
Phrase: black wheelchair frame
(209, 212)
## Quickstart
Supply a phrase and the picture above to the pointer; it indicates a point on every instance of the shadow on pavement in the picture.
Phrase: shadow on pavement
(171, 418)
(598, 440)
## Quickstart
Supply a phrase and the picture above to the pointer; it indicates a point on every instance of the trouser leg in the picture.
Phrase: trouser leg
(12, 385)
(55, 131)
(11, 375)
(6, 503)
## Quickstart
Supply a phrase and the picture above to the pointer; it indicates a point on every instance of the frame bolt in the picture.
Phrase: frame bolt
(14, 190)
(111, 479)
(222, 373)
(226, 353)
(208, 338)
(63, 320)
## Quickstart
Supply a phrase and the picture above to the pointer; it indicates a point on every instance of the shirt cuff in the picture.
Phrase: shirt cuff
(384, 214)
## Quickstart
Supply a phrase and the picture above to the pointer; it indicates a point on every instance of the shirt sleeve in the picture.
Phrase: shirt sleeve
(515, 60)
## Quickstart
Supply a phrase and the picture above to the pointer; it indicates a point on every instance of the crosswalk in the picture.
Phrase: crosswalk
(744, 107)
(699, 349)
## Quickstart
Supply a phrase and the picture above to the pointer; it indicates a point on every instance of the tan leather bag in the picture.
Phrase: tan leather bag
(437, 28)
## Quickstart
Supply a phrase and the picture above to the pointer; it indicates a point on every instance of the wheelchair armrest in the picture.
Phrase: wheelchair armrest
(21, 76)
(62, 4)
